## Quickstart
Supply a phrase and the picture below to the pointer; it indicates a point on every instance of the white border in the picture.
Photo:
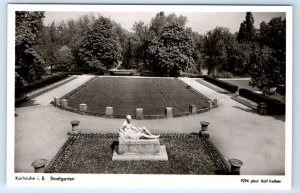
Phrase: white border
(142, 181)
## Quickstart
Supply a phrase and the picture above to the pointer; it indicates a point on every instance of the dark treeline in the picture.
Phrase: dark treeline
(166, 47)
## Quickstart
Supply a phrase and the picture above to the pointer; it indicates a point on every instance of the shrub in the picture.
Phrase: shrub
(39, 84)
(222, 84)
(273, 106)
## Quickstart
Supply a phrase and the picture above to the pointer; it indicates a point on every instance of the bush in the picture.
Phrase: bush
(273, 106)
(222, 84)
(224, 74)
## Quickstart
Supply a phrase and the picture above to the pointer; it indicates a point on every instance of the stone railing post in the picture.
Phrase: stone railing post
(56, 101)
(168, 112)
(109, 111)
(83, 107)
(64, 103)
(192, 109)
(139, 113)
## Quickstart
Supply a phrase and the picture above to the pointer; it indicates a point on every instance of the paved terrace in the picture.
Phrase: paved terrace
(236, 130)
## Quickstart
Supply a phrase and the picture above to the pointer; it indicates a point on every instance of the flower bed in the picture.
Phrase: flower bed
(92, 153)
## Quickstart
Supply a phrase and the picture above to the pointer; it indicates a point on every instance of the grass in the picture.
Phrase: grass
(92, 153)
(127, 94)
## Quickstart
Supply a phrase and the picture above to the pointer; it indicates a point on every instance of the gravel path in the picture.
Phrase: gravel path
(235, 130)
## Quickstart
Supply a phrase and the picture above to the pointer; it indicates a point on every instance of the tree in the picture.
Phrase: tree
(48, 43)
(100, 47)
(64, 58)
(28, 63)
(216, 45)
(237, 59)
(198, 51)
(268, 57)
(247, 30)
(172, 51)
(123, 36)
(141, 40)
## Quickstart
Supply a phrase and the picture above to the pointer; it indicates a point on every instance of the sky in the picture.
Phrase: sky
(199, 22)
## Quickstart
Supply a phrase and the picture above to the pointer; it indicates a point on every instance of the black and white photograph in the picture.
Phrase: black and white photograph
(161, 94)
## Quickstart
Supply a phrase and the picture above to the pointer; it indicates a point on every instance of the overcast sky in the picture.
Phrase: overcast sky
(199, 22)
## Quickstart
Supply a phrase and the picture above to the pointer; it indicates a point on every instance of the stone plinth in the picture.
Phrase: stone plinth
(139, 113)
(109, 111)
(56, 101)
(64, 103)
(169, 112)
(139, 146)
(192, 109)
(141, 149)
(83, 107)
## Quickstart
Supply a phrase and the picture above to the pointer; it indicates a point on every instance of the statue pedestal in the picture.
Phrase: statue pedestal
(141, 149)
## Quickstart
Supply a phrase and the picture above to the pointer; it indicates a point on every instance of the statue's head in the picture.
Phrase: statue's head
(128, 118)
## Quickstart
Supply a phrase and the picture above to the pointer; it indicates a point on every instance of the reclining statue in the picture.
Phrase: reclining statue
(128, 131)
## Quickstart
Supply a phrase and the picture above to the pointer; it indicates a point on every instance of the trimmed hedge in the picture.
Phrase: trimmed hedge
(222, 84)
(19, 91)
(273, 106)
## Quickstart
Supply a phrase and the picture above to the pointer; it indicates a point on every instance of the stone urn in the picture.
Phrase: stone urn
(204, 125)
(235, 165)
(74, 124)
(39, 165)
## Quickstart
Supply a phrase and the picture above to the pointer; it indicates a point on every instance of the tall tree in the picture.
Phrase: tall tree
(64, 58)
(28, 63)
(100, 47)
(141, 37)
(247, 30)
(172, 51)
(48, 43)
(217, 42)
(268, 58)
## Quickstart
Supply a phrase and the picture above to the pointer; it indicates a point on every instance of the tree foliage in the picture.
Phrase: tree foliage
(268, 58)
(216, 45)
(28, 63)
(100, 47)
(247, 30)
(64, 58)
(172, 51)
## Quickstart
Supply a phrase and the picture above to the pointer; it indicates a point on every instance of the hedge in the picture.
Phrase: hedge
(19, 91)
(222, 84)
(273, 106)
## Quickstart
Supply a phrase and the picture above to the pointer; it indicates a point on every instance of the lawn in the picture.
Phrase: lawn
(127, 94)
(92, 153)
